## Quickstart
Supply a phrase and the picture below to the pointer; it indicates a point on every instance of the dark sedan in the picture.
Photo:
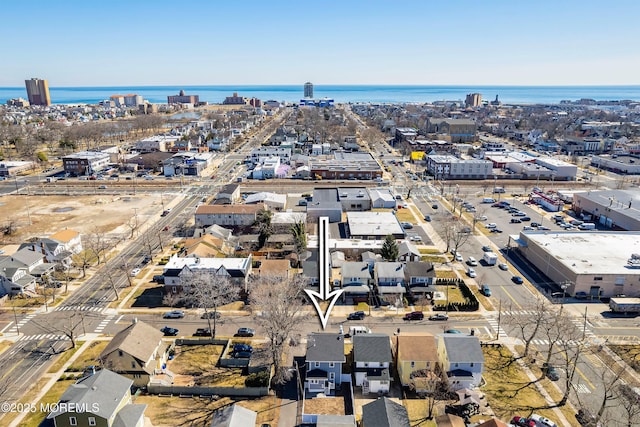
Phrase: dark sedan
(169, 332)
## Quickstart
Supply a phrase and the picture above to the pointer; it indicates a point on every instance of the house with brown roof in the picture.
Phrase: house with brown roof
(271, 267)
(137, 352)
(70, 239)
(206, 246)
(416, 359)
(227, 215)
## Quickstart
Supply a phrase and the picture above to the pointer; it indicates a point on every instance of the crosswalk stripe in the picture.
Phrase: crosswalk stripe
(581, 388)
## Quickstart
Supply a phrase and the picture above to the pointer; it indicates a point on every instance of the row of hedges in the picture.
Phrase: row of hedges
(471, 304)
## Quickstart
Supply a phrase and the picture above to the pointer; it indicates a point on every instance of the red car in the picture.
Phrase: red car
(522, 421)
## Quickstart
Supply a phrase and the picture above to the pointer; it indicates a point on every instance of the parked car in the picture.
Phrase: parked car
(356, 315)
(581, 295)
(407, 225)
(472, 261)
(471, 272)
(245, 332)
(169, 332)
(517, 279)
(210, 315)
(543, 228)
(439, 316)
(491, 225)
(434, 206)
(550, 371)
(515, 221)
(503, 266)
(522, 422)
(496, 230)
(487, 248)
(175, 314)
(485, 290)
(525, 219)
(453, 331)
(542, 421)
(427, 218)
(158, 278)
(535, 224)
(458, 257)
(202, 332)
(135, 272)
(242, 347)
(414, 315)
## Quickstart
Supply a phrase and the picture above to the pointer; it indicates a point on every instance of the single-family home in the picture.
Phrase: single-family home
(101, 399)
(372, 362)
(462, 360)
(384, 412)
(15, 278)
(70, 239)
(178, 270)
(389, 277)
(416, 359)
(137, 352)
(230, 193)
(381, 198)
(420, 277)
(324, 359)
(407, 252)
(356, 281)
(234, 416)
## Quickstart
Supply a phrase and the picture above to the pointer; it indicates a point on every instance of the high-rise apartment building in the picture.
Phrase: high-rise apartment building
(473, 100)
(308, 90)
(38, 92)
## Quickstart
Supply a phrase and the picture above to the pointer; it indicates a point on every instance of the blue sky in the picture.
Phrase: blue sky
(218, 42)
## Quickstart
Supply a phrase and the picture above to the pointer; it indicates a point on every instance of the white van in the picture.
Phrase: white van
(587, 226)
(357, 330)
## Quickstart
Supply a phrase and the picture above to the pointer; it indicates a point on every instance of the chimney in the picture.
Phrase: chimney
(42, 248)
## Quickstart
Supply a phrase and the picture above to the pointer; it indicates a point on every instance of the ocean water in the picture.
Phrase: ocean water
(342, 93)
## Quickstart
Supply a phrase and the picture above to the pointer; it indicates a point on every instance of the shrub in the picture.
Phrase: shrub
(258, 379)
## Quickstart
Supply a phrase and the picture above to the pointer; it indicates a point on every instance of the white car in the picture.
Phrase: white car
(472, 261)
(458, 257)
(491, 225)
(542, 421)
(482, 218)
(135, 272)
(471, 272)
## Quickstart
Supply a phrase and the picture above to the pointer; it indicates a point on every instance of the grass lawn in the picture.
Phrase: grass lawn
(446, 274)
(200, 362)
(629, 353)
(5, 345)
(64, 357)
(197, 411)
(88, 357)
(52, 396)
(509, 391)
(435, 258)
(405, 215)
(417, 410)
(454, 294)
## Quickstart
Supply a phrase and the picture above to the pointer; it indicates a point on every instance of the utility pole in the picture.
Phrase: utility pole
(499, 316)
(15, 317)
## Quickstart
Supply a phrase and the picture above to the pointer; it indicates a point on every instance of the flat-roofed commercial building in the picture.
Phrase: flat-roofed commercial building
(374, 225)
(451, 167)
(346, 166)
(460, 130)
(616, 209)
(618, 163)
(85, 162)
(233, 215)
(183, 98)
(597, 263)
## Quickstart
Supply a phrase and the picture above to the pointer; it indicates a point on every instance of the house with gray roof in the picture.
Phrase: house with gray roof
(139, 353)
(462, 359)
(324, 359)
(384, 412)
(356, 281)
(408, 252)
(325, 202)
(101, 399)
(234, 416)
(420, 277)
(389, 277)
(15, 278)
(372, 362)
(381, 198)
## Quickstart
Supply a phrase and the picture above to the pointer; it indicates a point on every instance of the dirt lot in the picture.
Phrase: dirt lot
(49, 214)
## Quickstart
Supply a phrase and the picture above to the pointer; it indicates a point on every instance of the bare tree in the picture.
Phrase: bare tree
(529, 325)
(630, 402)
(133, 224)
(70, 328)
(279, 302)
(98, 243)
(299, 232)
(112, 275)
(454, 233)
(83, 260)
(210, 291)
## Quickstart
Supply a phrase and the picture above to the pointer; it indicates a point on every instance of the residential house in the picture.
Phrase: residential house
(229, 193)
(101, 399)
(34, 261)
(416, 359)
(408, 252)
(384, 412)
(138, 353)
(234, 416)
(178, 270)
(206, 246)
(356, 281)
(15, 278)
(420, 277)
(462, 360)
(324, 359)
(227, 215)
(372, 362)
(69, 239)
(389, 277)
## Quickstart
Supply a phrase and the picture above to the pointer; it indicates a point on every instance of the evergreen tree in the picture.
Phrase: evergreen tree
(390, 249)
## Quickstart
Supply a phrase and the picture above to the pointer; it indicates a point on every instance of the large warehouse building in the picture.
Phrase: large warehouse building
(602, 264)
(616, 209)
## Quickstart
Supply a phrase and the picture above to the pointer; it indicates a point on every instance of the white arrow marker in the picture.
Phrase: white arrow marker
(325, 275)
